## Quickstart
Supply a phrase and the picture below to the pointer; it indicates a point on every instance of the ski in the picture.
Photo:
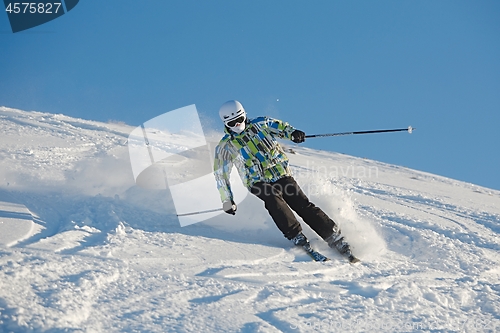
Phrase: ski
(315, 255)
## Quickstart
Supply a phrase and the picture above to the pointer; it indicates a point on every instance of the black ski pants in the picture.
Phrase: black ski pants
(281, 197)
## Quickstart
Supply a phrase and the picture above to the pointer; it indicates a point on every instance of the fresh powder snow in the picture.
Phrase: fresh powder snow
(84, 249)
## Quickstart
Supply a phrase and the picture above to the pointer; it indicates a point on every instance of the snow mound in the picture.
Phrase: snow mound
(16, 223)
(83, 249)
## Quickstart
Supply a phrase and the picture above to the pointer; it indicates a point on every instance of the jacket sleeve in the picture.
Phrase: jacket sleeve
(280, 128)
(223, 165)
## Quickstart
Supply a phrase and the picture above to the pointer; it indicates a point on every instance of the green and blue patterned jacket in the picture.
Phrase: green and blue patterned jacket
(255, 152)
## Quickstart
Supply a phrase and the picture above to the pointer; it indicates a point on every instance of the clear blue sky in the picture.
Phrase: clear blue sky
(334, 66)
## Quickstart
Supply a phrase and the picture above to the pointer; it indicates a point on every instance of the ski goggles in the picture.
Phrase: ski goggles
(233, 122)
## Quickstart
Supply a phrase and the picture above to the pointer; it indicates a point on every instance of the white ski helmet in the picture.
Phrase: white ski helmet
(233, 115)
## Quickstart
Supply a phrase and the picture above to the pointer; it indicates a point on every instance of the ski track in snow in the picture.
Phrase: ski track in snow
(103, 255)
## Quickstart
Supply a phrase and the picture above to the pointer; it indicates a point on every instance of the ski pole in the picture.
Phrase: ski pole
(409, 130)
(201, 212)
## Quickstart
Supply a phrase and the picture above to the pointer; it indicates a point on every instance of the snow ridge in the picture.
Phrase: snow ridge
(83, 249)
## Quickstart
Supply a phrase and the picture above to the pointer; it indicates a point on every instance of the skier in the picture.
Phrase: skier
(251, 145)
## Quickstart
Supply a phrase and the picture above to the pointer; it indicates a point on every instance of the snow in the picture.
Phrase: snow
(83, 249)
(16, 223)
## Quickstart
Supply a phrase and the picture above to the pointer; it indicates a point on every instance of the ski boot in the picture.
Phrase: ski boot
(336, 241)
(301, 240)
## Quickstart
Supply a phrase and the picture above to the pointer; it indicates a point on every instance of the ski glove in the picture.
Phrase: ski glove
(229, 207)
(298, 136)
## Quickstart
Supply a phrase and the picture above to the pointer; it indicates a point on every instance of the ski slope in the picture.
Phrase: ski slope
(83, 249)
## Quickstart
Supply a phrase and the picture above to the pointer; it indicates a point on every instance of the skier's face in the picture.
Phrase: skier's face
(238, 128)
(237, 125)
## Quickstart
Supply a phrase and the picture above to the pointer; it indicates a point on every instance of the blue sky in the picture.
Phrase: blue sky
(323, 66)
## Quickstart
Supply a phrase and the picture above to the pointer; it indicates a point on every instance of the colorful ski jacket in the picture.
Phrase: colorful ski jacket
(255, 152)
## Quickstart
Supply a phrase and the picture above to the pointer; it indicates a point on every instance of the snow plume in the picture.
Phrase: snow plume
(336, 200)
(108, 175)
